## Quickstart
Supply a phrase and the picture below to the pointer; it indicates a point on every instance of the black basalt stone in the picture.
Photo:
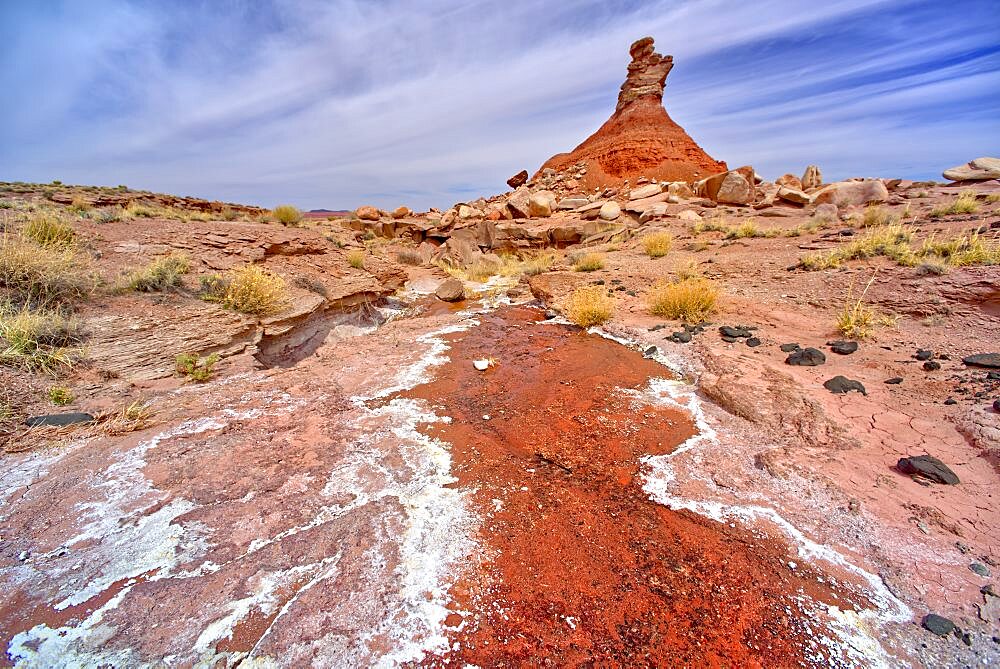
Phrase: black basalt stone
(929, 467)
(806, 357)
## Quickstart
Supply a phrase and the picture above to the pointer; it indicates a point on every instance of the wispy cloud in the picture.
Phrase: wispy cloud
(343, 103)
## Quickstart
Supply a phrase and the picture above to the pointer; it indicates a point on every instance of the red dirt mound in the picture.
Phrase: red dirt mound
(640, 138)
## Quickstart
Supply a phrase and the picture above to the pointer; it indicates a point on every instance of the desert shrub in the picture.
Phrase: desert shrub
(161, 274)
(228, 213)
(538, 264)
(286, 214)
(311, 284)
(657, 244)
(993, 198)
(48, 231)
(60, 396)
(931, 268)
(410, 257)
(195, 368)
(856, 319)
(589, 262)
(589, 306)
(745, 230)
(213, 287)
(254, 290)
(108, 215)
(688, 270)
(42, 274)
(356, 259)
(690, 300)
(137, 210)
(891, 241)
(964, 203)
(35, 339)
(963, 250)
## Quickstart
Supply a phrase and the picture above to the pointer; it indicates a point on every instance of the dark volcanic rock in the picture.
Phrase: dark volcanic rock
(939, 625)
(932, 366)
(924, 354)
(753, 342)
(840, 385)
(681, 337)
(991, 360)
(806, 357)
(843, 347)
(788, 348)
(736, 333)
(928, 467)
(894, 381)
(980, 569)
(59, 419)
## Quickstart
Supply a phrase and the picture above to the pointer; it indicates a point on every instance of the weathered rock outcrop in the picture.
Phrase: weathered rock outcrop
(980, 169)
(639, 139)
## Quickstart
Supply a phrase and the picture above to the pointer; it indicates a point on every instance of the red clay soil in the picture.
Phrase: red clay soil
(639, 140)
(579, 566)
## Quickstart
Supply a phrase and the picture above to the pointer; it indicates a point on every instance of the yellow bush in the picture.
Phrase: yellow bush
(589, 306)
(657, 244)
(286, 214)
(42, 274)
(356, 259)
(254, 290)
(36, 340)
(161, 274)
(589, 262)
(689, 300)
(965, 203)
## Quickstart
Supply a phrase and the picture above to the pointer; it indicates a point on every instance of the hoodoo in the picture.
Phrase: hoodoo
(640, 138)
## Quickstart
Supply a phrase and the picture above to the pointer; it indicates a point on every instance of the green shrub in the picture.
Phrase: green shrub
(49, 231)
(194, 368)
(286, 214)
(161, 274)
(60, 396)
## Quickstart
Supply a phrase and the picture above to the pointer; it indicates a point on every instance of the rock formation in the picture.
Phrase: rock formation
(639, 139)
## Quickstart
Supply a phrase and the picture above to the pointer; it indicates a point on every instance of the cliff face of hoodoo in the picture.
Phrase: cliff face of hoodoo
(640, 138)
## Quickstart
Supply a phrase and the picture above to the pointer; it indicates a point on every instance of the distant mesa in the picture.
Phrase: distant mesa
(639, 139)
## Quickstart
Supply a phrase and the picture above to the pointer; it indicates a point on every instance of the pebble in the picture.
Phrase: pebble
(753, 342)
(932, 366)
(980, 569)
(996, 405)
(894, 381)
(806, 357)
(936, 624)
(950, 401)
(843, 347)
(924, 354)
(788, 348)
(486, 416)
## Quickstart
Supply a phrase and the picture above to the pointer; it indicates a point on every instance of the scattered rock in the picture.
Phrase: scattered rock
(59, 419)
(828, 211)
(735, 189)
(936, 624)
(689, 215)
(843, 347)
(367, 213)
(894, 381)
(610, 210)
(481, 365)
(401, 212)
(989, 360)
(649, 352)
(806, 357)
(451, 290)
(793, 195)
(789, 181)
(517, 203)
(929, 467)
(840, 385)
(858, 193)
(812, 178)
(644, 192)
(932, 366)
(924, 354)
(788, 348)
(980, 169)
(518, 179)
(950, 402)
(735, 333)
(540, 204)
(682, 337)
(753, 342)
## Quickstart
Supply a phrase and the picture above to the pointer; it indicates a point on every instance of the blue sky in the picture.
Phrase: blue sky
(338, 104)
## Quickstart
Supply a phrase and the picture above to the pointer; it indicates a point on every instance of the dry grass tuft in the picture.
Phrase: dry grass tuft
(60, 396)
(161, 274)
(589, 262)
(877, 216)
(965, 203)
(589, 306)
(40, 274)
(963, 250)
(356, 259)
(254, 290)
(658, 244)
(130, 418)
(410, 257)
(690, 300)
(538, 264)
(49, 231)
(37, 340)
(286, 214)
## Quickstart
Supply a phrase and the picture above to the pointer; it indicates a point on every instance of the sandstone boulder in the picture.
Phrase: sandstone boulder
(980, 169)
(689, 215)
(517, 203)
(735, 189)
(518, 179)
(367, 213)
(610, 210)
(845, 193)
(680, 189)
(540, 204)
(793, 195)
(827, 211)
(401, 212)
(812, 178)
(790, 181)
(653, 211)
(644, 191)
(569, 203)
(450, 290)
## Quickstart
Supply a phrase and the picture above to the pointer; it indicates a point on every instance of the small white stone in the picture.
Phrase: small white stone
(481, 365)
(791, 565)
(486, 416)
